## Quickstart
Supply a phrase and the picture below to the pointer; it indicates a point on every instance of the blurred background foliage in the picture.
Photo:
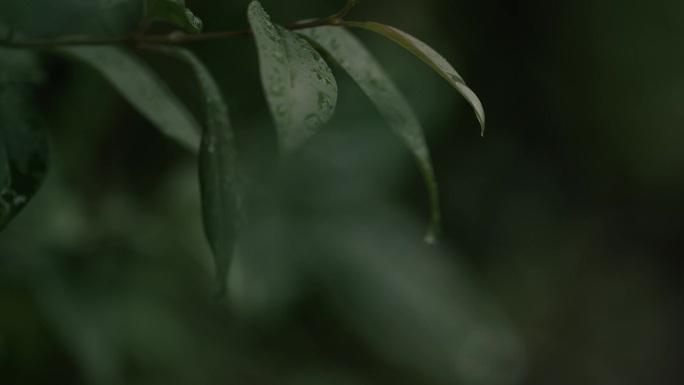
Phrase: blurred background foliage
(560, 260)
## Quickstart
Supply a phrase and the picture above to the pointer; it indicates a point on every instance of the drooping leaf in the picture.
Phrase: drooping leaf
(174, 12)
(429, 56)
(23, 139)
(299, 86)
(143, 89)
(361, 65)
(218, 169)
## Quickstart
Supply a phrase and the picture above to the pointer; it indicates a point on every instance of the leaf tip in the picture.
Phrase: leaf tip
(431, 235)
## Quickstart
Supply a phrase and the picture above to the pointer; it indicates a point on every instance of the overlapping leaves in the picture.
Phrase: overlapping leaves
(300, 89)
(361, 66)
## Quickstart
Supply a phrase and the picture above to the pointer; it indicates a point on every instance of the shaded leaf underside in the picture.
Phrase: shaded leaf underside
(143, 89)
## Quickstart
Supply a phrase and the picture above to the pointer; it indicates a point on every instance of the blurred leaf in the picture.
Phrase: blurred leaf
(429, 56)
(23, 140)
(174, 12)
(411, 304)
(360, 64)
(143, 89)
(300, 88)
(218, 169)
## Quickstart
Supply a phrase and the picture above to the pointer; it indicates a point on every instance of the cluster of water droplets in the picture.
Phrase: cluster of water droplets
(194, 21)
(300, 87)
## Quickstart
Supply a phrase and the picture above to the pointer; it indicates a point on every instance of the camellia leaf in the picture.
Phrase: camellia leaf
(218, 169)
(23, 140)
(429, 56)
(174, 12)
(143, 89)
(360, 64)
(299, 86)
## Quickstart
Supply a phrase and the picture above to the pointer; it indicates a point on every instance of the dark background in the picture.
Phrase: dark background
(560, 258)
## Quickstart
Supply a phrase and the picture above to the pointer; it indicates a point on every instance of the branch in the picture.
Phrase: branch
(172, 38)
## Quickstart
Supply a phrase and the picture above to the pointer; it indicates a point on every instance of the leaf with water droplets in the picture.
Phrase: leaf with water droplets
(429, 56)
(299, 86)
(143, 89)
(361, 65)
(23, 139)
(218, 169)
(174, 12)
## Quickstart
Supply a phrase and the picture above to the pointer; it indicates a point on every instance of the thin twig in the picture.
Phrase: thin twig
(172, 38)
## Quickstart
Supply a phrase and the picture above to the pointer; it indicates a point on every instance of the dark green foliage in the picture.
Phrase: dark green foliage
(270, 246)
(174, 12)
(23, 140)
(300, 89)
(558, 259)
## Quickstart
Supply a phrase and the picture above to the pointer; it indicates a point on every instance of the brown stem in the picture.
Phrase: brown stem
(172, 38)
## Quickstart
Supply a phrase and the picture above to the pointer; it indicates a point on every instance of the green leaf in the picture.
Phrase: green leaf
(362, 66)
(218, 169)
(143, 89)
(174, 12)
(429, 56)
(23, 140)
(299, 86)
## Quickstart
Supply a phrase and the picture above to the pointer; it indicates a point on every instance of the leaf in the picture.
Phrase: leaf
(362, 66)
(23, 140)
(143, 89)
(218, 169)
(299, 86)
(429, 56)
(174, 12)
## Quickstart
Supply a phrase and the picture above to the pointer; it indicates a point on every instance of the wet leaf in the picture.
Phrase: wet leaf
(218, 169)
(299, 86)
(429, 56)
(23, 139)
(174, 12)
(361, 65)
(143, 89)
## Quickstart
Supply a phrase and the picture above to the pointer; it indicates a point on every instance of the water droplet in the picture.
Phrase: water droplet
(324, 102)
(193, 20)
(376, 84)
(19, 200)
(281, 110)
(313, 121)
(277, 89)
(279, 56)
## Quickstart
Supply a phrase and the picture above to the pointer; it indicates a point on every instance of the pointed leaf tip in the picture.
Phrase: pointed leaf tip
(173, 12)
(350, 54)
(220, 187)
(436, 61)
